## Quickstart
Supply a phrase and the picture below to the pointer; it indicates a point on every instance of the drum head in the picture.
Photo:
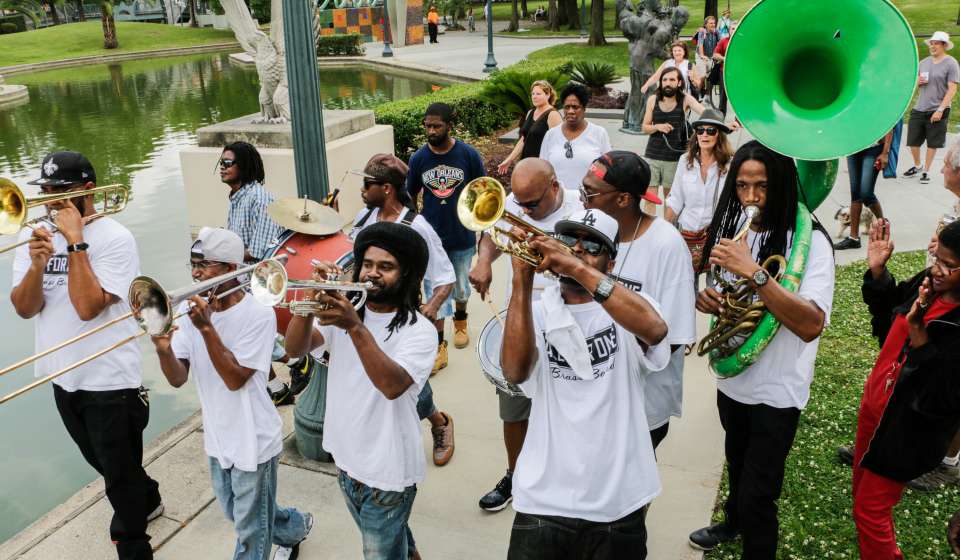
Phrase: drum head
(488, 350)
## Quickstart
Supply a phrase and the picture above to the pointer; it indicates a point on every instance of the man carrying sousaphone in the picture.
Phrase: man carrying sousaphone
(760, 407)
(70, 281)
(587, 469)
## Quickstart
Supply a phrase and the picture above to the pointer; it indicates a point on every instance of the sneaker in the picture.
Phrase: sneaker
(912, 172)
(157, 512)
(924, 179)
(710, 537)
(936, 479)
(443, 442)
(460, 337)
(293, 552)
(300, 372)
(441, 361)
(500, 496)
(281, 395)
(848, 243)
(845, 455)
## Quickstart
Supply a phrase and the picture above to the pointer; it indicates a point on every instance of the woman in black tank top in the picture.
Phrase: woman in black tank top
(534, 127)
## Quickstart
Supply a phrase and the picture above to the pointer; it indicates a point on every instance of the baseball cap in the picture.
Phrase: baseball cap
(625, 171)
(61, 169)
(218, 245)
(598, 224)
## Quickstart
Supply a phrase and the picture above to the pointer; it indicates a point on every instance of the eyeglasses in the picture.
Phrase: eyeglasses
(593, 248)
(227, 163)
(708, 130)
(203, 265)
(937, 263)
(585, 196)
(533, 203)
(569, 149)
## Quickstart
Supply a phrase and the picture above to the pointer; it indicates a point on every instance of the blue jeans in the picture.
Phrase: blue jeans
(461, 260)
(863, 175)
(249, 499)
(425, 406)
(382, 517)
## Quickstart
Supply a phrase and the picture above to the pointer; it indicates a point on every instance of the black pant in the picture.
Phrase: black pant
(657, 435)
(723, 96)
(548, 537)
(758, 439)
(432, 29)
(108, 427)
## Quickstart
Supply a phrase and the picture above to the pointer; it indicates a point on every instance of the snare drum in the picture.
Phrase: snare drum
(488, 350)
(300, 249)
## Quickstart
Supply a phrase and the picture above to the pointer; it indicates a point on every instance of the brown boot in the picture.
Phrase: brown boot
(441, 361)
(460, 336)
(443, 442)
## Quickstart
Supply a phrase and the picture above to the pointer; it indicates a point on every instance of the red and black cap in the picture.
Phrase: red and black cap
(625, 171)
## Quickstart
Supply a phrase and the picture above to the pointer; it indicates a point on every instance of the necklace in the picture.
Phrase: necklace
(630, 247)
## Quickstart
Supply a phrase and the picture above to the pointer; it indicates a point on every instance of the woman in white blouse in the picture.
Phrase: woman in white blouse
(571, 147)
(699, 178)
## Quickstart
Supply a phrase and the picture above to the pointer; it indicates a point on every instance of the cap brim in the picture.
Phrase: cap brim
(650, 197)
(566, 226)
(50, 182)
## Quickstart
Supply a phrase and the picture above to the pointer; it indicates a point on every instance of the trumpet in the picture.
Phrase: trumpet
(482, 204)
(304, 307)
(152, 306)
(14, 206)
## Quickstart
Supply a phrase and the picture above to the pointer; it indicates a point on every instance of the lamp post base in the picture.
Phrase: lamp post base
(490, 64)
(387, 51)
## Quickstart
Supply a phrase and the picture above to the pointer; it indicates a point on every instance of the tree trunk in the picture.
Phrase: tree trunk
(81, 16)
(561, 13)
(573, 14)
(514, 17)
(53, 12)
(193, 13)
(109, 26)
(553, 17)
(596, 24)
(710, 8)
(523, 9)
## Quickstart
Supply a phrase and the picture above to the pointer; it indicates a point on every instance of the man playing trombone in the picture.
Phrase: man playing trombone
(227, 344)
(71, 280)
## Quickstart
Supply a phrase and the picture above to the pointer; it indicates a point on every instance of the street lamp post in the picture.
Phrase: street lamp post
(583, 19)
(491, 63)
(387, 51)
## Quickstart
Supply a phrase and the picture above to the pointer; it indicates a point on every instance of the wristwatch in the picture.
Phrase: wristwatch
(604, 289)
(77, 247)
(760, 278)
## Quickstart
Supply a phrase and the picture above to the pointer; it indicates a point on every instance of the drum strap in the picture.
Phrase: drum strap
(408, 217)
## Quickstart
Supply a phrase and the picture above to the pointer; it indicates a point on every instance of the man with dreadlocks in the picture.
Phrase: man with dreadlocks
(380, 358)
(760, 407)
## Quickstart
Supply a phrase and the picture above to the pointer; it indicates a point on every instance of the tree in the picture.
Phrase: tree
(80, 13)
(108, 25)
(514, 17)
(710, 8)
(523, 9)
(30, 9)
(596, 24)
(193, 13)
(572, 12)
(54, 15)
(553, 18)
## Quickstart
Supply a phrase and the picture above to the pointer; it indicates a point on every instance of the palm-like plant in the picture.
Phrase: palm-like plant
(108, 25)
(30, 9)
(595, 75)
(510, 89)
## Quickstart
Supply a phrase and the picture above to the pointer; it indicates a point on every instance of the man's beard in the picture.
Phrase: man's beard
(669, 91)
(571, 283)
(384, 294)
(437, 141)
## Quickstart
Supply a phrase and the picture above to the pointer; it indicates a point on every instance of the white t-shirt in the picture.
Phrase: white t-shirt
(570, 204)
(439, 268)
(782, 374)
(241, 429)
(591, 144)
(658, 264)
(373, 439)
(692, 198)
(587, 453)
(115, 262)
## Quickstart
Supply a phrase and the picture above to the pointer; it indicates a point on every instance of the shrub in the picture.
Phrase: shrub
(509, 89)
(595, 75)
(340, 45)
(7, 27)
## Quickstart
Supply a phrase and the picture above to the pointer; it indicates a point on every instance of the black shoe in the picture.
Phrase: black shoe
(499, 497)
(912, 172)
(845, 455)
(924, 179)
(848, 243)
(300, 373)
(282, 397)
(710, 537)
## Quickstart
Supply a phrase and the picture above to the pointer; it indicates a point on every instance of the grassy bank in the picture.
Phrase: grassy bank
(815, 510)
(86, 39)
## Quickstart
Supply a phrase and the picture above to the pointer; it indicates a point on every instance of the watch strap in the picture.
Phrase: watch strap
(604, 289)
(77, 247)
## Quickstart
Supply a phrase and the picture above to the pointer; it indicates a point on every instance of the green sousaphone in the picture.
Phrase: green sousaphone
(815, 80)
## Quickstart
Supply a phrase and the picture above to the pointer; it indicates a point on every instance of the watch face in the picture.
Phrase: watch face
(760, 277)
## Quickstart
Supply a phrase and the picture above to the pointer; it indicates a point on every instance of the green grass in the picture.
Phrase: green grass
(925, 16)
(815, 508)
(86, 39)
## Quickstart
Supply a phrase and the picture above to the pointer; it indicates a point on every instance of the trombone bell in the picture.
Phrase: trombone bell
(13, 211)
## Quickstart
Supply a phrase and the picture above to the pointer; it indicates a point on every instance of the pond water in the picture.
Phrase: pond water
(131, 119)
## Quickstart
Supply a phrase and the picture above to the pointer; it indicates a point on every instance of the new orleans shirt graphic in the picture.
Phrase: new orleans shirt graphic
(442, 180)
(602, 346)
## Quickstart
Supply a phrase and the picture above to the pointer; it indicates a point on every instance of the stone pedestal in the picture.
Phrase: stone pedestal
(352, 137)
(11, 96)
(308, 417)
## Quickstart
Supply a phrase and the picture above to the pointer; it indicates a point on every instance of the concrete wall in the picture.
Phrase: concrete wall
(207, 196)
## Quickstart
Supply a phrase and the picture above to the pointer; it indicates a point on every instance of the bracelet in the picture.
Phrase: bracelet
(77, 247)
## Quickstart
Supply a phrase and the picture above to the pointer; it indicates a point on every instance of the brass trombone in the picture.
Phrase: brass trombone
(152, 307)
(482, 204)
(14, 206)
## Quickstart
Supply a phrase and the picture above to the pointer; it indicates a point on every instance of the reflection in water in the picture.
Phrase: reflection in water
(131, 120)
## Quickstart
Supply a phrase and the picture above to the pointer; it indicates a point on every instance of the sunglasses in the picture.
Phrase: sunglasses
(369, 182)
(203, 265)
(533, 203)
(937, 263)
(227, 163)
(568, 149)
(585, 196)
(708, 130)
(593, 248)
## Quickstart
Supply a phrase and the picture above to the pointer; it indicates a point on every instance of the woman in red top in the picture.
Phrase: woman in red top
(910, 408)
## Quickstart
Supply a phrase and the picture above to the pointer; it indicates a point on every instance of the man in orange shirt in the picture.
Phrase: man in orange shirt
(433, 20)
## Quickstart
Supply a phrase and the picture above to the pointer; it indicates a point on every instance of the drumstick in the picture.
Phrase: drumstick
(496, 314)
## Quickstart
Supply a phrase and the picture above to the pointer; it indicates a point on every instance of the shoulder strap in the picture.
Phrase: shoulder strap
(363, 220)
(408, 217)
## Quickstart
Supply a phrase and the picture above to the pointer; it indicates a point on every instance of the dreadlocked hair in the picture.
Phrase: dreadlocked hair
(780, 210)
(409, 303)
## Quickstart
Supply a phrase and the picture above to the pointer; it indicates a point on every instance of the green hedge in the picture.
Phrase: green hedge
(6, 28)
(340, 45)
(18, 22)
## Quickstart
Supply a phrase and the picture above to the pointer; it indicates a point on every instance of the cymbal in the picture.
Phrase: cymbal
(305, 216)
